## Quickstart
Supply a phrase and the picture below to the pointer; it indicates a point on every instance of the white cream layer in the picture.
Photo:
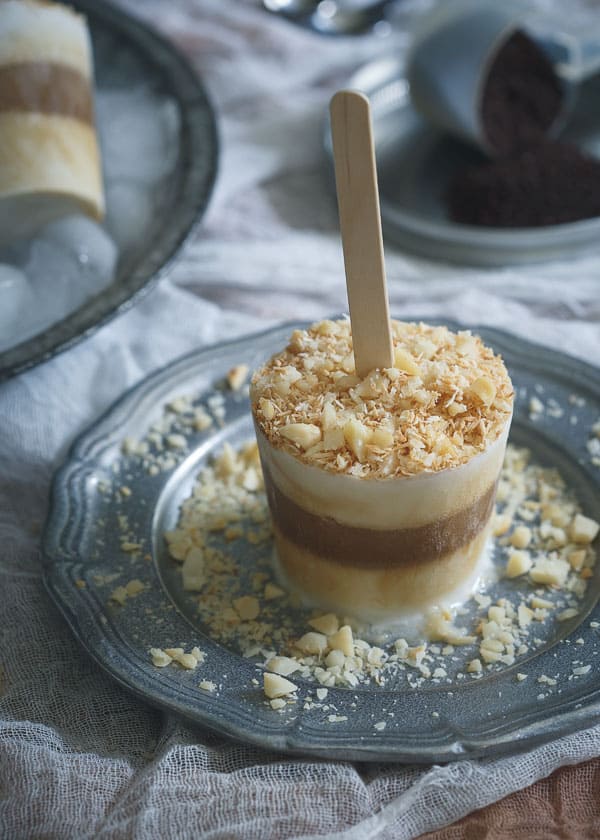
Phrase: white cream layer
(390, 503)
(42, 32)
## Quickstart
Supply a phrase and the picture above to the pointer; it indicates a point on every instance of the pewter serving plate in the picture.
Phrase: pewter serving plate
(144, 56)
(84, 562)
(415, 163)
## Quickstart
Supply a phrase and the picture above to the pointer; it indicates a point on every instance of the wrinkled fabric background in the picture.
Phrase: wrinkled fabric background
(79, 756)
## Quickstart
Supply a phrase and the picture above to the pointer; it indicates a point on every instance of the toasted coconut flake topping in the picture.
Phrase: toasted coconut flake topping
(447, 398)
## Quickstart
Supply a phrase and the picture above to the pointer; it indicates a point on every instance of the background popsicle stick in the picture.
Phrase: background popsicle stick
(360, 223)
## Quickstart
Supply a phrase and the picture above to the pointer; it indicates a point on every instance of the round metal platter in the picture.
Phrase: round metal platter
(154, 60)
(415, 163)
(85, 561)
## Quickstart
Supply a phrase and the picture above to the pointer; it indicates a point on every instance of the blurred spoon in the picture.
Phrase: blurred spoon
(334, 17)
(297, 11)
(350, 17)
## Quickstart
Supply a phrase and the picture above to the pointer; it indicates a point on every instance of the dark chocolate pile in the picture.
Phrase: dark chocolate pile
(521, 97)
(549, 185)
(533, 181)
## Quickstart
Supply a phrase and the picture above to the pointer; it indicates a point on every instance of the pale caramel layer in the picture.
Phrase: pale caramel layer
(50, 154)
(377, 548)
(46, 88)
(375, 594)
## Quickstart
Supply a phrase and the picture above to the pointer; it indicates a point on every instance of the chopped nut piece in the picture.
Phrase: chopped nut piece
(176, 441)
(342, 640)
(577, 558)
(327, 624)
(404, 361)
(277, 703)
(283, 665)
(541, 603)
(329, 418)
(194, 570)
(519, 562)
(188, 661)
(382, 438)
(357, 435)
(277, 686)
(130, 547)
(474, 666)
(550, 571)
(490, 656)
(304, 435)
(134, 587)
(202, 420)
(272, 591)
(237, 376)
(207, 685)
(465, 343)
(119, 595)
(333, 439)
(583, 530)
(492, 644)
(521, 536)
(267, 408)
(160, 658)
(536, 406)
(485, 389)
(247, 607)
(456, 408)
(321, 693)
(335, 659)
(230, 616)
(521, 677)
(565, 615)
(501, 524)
(497, 614)
(315, 643)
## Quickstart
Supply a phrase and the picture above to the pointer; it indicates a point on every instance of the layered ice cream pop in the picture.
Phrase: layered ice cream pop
(49, 158)
(381, 488)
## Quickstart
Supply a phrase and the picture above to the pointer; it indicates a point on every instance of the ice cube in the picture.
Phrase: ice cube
(138, 134)
(115, 66)
(129, 216)
(91, 246)
(53, 273)
(16, 302)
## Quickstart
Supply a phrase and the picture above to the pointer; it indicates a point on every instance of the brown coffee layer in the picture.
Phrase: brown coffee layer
(377, 548)
(45, 88)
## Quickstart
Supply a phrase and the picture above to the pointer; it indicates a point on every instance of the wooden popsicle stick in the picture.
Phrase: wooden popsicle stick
(360, 223)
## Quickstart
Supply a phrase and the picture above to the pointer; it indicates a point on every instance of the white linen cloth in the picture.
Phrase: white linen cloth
(79, 756)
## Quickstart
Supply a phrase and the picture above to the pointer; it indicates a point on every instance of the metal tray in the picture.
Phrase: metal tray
(156, 60)
(84, 562)
(415, 162)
